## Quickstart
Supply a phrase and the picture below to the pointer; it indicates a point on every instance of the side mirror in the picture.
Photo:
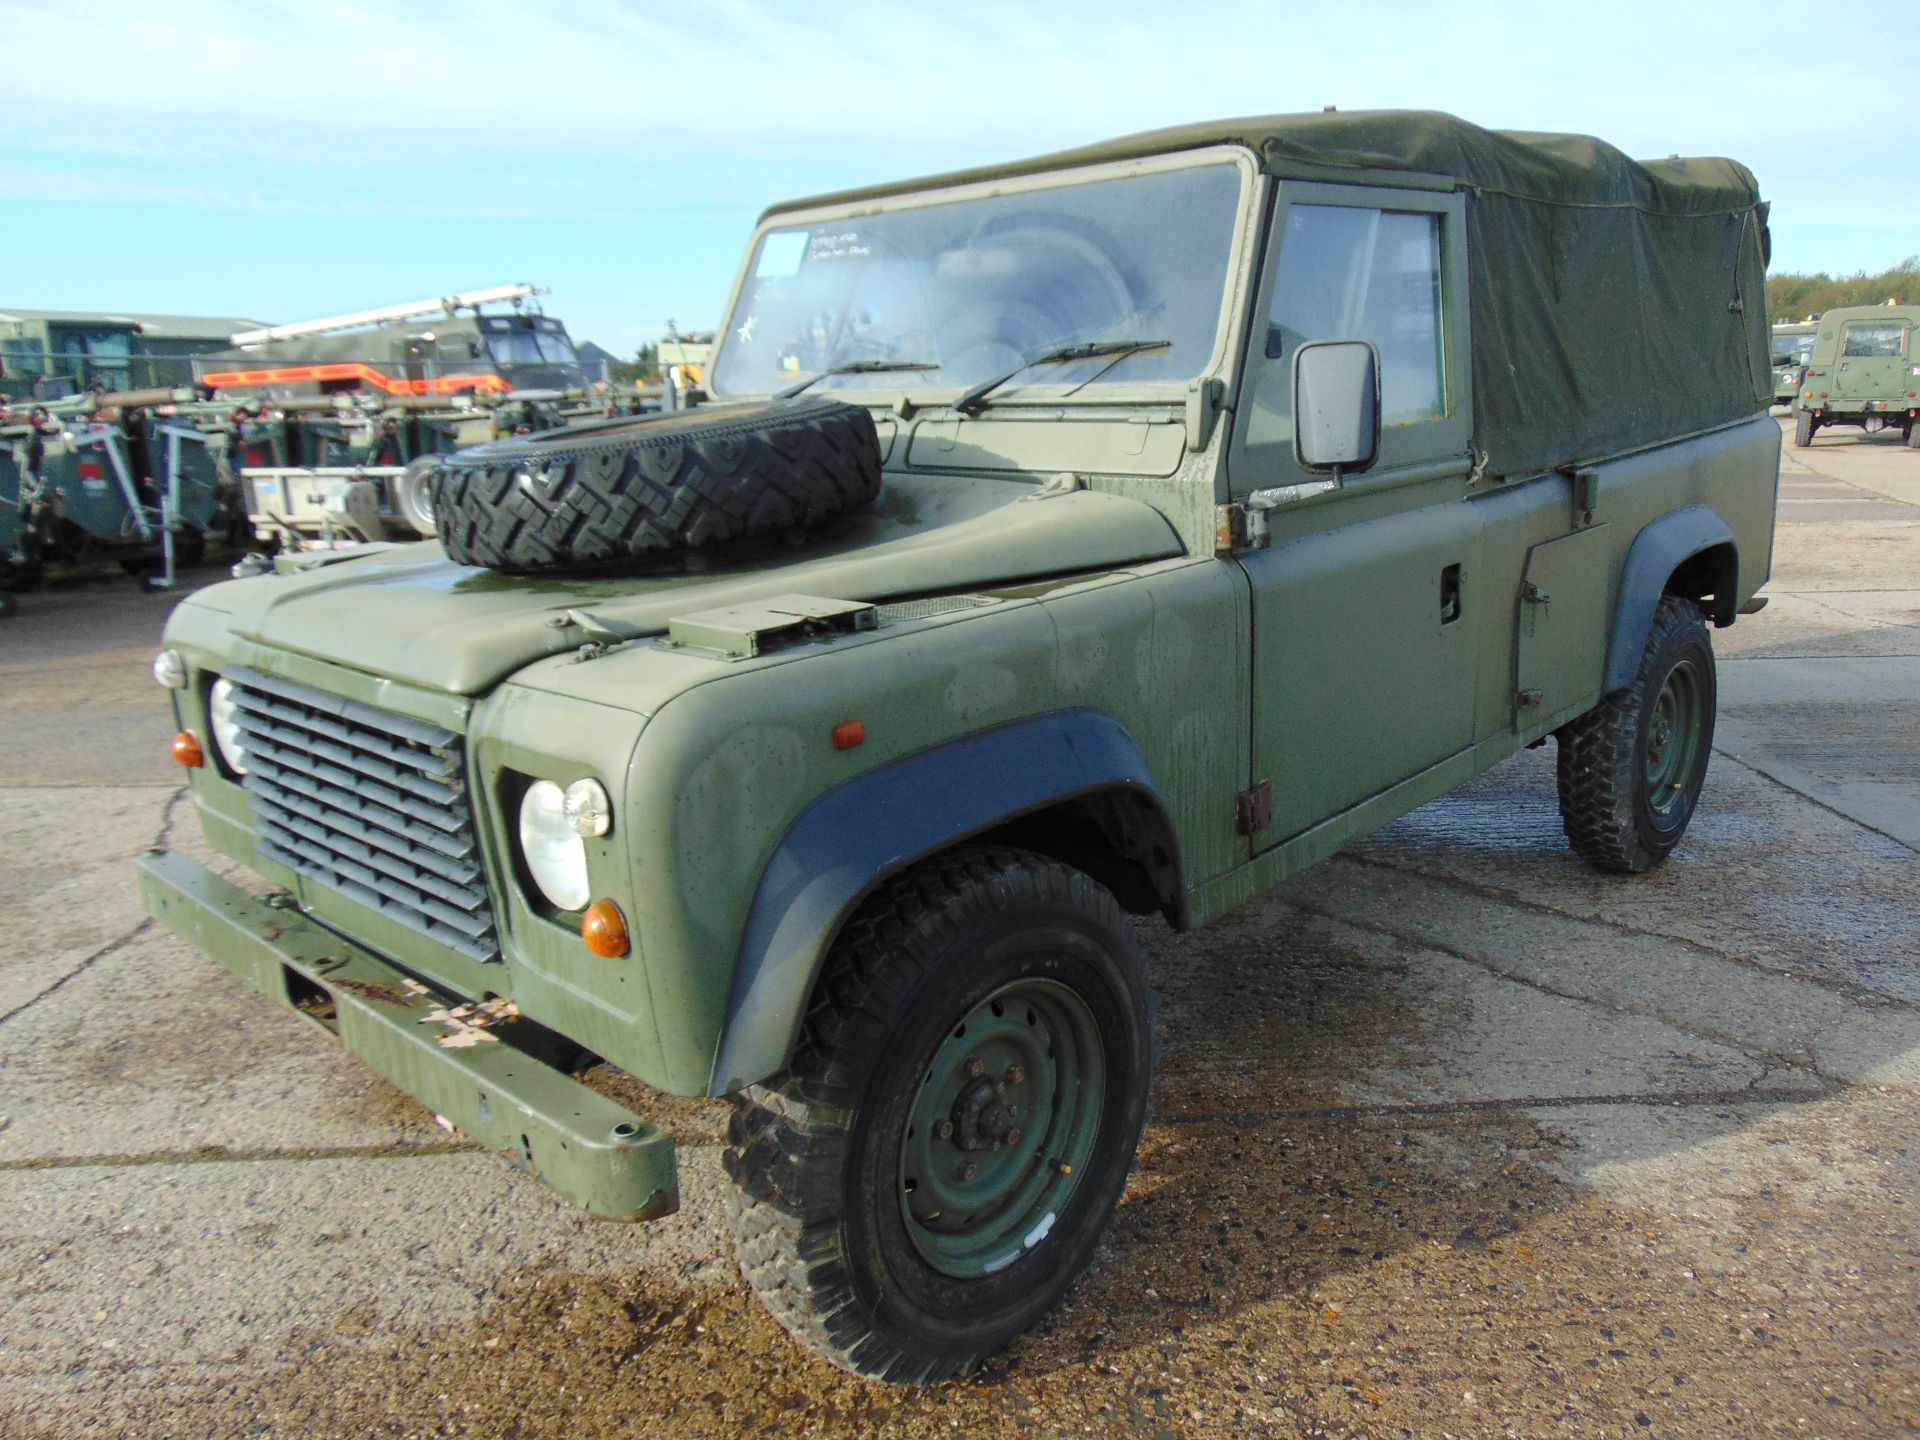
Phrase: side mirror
(1336, 406)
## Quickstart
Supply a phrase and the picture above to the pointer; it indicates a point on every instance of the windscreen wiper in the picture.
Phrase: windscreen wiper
(970, 402)
(855, 367)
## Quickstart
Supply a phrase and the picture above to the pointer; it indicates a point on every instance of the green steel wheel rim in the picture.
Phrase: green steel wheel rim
(1002, 1128)
(1673, 738)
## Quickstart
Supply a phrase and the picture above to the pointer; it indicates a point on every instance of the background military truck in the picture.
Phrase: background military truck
(1118, 532)
(1865, 371)
(365, 400)
(444, 347)
(1788, 354)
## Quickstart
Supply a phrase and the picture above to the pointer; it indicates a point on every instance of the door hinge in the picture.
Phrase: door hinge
(1528, 699)
(1253, 809)
(1533, 594)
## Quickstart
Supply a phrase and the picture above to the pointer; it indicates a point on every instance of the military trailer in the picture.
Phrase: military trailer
(1116, 533)
(1864, 371)
(135, 477)
(356, 469)
(1788, 354)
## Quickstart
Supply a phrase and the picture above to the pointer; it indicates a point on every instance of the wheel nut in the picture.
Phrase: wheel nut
(1013, 1137)
(1015, 1074)
(969, 1170)
(976, 1067)
(944, 1129)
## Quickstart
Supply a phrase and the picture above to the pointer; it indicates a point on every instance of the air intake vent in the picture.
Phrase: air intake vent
(370, 804)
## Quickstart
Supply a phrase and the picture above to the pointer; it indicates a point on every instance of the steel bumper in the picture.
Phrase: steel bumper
(596, 1153)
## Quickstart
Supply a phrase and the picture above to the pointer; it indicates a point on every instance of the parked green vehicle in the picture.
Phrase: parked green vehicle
(1789, 353)
(138, 477)
(1865, 371)
(1115, 533)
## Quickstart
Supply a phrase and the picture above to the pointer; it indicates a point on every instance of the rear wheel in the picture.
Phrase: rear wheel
(1631, 770)
(934, 1170)
(1803, 427)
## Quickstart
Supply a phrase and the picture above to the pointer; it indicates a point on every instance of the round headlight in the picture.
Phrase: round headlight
(170, 670)
(589, 811)
(555, 856)
(224, 711)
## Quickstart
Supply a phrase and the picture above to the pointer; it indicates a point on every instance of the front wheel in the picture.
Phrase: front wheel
(1631, 769)
(933, 1171)
(1803, 427)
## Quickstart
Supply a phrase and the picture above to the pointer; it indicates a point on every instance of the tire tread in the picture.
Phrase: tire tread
(1597, 759)
(786, 1138)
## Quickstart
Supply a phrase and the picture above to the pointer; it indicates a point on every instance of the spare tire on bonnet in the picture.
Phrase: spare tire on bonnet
(591, 496)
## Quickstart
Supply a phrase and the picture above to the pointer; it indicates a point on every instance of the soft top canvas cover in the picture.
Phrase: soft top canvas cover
(1615, 303)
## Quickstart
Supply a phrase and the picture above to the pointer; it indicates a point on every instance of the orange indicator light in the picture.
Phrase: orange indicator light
(604, 929)
(849, 733)
(186, 750)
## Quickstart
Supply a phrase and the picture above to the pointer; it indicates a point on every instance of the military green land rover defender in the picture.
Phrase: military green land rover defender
(1865, 371)
(1114, 533)
(1789, 354)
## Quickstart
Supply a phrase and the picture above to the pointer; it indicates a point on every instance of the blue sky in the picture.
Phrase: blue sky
(292, 160)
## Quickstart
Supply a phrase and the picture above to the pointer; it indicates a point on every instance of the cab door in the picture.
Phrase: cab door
(1365, 605)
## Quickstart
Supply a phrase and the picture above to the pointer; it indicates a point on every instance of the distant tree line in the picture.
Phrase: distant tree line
(1793, 297)
(644, 367)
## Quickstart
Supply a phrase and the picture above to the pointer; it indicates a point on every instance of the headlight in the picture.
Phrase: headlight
(170, 670)
(556, 857)
(224, 711)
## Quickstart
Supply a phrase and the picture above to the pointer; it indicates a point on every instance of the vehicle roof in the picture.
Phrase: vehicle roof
(1871, 312)
(1634, 292)
(1364, 145)
(190, 327)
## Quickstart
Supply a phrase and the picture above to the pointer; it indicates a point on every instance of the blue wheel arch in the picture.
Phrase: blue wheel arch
(854, 837)
(1659, 550)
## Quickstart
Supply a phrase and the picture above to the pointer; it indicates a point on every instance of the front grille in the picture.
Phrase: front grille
(368, 803)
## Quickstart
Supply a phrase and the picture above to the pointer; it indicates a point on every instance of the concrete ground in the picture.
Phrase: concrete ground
(1454, 1136)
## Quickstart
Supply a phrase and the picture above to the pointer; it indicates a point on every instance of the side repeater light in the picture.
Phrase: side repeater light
(604, 929)
(849, 733)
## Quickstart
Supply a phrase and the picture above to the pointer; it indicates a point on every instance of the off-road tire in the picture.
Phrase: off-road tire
(1605, 804)
(594, 496)
(1913, 435)
(821, 1226)
(413, 494)
(1803, 427)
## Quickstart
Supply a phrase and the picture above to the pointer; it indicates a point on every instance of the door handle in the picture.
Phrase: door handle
(1450, 605)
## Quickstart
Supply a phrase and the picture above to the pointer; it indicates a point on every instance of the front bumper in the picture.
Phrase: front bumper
(596, 1153)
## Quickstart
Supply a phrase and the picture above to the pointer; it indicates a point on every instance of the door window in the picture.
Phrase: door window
(1353, 273)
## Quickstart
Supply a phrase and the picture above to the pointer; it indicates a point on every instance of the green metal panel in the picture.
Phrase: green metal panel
(1562, 630)
(1359, 677)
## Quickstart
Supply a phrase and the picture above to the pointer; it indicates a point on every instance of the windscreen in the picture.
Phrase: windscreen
(522, 344)
(1792, 349)
(972, 288)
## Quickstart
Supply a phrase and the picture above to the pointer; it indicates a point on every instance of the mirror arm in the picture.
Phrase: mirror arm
(1257, 504)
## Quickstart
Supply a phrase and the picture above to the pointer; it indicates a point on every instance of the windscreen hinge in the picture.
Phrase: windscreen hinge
(1203, 409)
